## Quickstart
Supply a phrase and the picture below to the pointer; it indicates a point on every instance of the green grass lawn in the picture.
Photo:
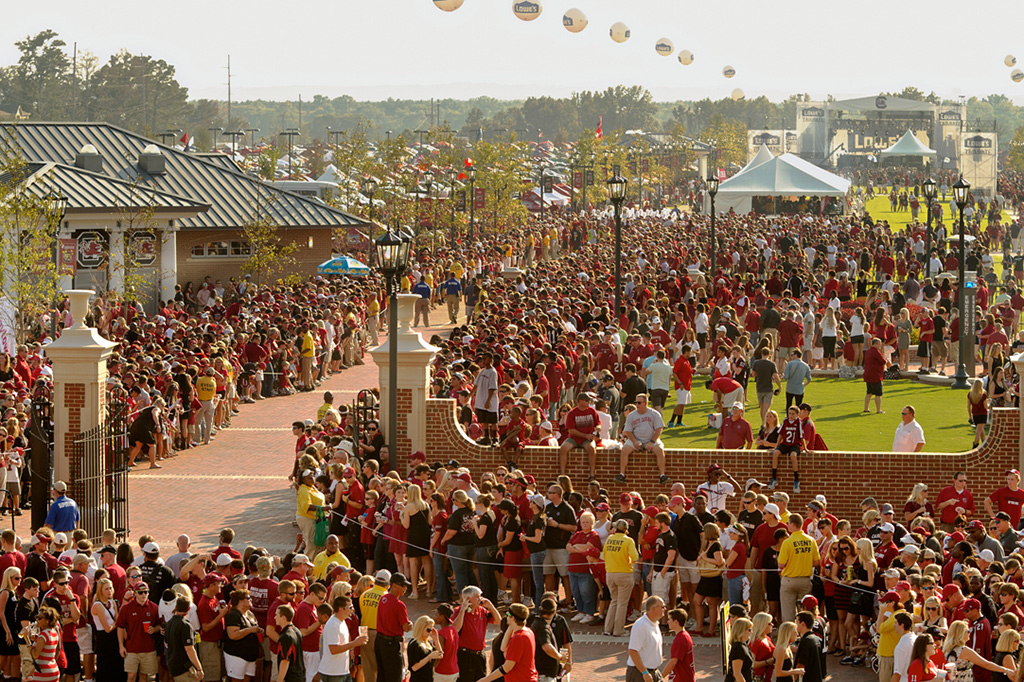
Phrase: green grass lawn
(838, 405)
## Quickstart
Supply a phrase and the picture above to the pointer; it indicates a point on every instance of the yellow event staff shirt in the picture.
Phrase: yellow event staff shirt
(206, 387)
(368, 603)
(797, 555)
(308, 345)
(323, 559)
(305, 497)
(619, 553)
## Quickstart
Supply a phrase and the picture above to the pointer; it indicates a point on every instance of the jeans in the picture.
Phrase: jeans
(485, 568)
(444, 588)
(461, 557)
(735, 590)
(537, 567)
(584, 592)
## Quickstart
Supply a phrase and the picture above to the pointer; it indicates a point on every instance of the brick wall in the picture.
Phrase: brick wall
(845, 478)
(195, 269)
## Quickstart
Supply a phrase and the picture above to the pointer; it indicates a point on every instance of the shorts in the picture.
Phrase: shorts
(939, 349)
(979, 419)
(74, 657)
(874, 387)
(187, 676)
(702, 340)
(828, 344)
(556, 560)
(85, 640)
(857, 339)
(786, 351)
(143, 438)
(513, 565)
(486, 416)
(658, 397)
(788, 449)
(141, 663)
(238, 668)
(311, 659)
(683, 397)
(733, 397)
(688, 571)
(573, 444)
(438, 677)
(13, 487)
(765, 398)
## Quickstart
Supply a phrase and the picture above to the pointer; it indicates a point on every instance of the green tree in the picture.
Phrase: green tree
(39, 83)
(139, 93)
(269, 255)
(728, 136)
(1016, 154)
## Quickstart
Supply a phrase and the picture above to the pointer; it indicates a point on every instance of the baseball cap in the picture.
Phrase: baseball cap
(809, 602)
(714, 467)
(987, 555)
(949, 590)
(677, 499)
(752, 482)
(306, 472)
(348, 472)
(887, 528)
(975, 525)
(297, 560)
(971, 604)
(1011, 471)
(60, 539)
(890, 596)
(465, 476)
(539, 500)
(418, 456)
(151, 548)
(400, 579)
(886, 508)
(211, 578)
(902, 585)
(910, 548)
(602, 506)
(225, 560)
(891, 573)
(382, 577)
(107, 549)
(956, 536)
(772, 509)
(821, 498)
(1002, 516)
(546, 425)
(781, 496)
(737, 405)
(625, 498)
(60, 486)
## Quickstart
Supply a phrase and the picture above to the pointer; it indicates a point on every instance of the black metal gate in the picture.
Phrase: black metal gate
(365, 408)
(99, 474)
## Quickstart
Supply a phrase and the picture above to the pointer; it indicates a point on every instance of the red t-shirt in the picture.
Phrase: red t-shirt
(69, 631)
(356, 493)
(725, 385)
(448, 664)
(207, 608)
(391, 616)
(473, 634)
(964, 499)
(583, 420)
(1009, 501)
(440, 525)
(682, 651)
(522, 648)
(764, 537)
(233, 553)
(735, 569)
(305, 615)
(12, 558)
(874, 366)
(262, 593)
(683, 372)
(136, 619)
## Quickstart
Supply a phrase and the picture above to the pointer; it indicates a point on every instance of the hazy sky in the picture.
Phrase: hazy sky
(410, 49)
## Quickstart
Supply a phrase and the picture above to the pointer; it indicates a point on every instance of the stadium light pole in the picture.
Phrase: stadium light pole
(960, 190)
(930, 191)
(393, 257)
(617, 194)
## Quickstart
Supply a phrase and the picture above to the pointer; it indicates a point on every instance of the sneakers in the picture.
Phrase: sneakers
(663, 479)
(528, 602)
(796, 487)
(858, 662)
(635, 615)
(578, 617)
(620, 478)
(846, 660)
(773, 483)
(587, 620)
(690, 624)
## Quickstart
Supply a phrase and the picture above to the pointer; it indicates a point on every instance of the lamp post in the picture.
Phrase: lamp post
(617, 193)
(368, 188)
(234, 139)
(57, 205)
(930, 191)
(428, 182)
(393, 256)
(291, 134)
(252, 136)
(712, 191)
(213, 137)
(471, 175)
(960, 189)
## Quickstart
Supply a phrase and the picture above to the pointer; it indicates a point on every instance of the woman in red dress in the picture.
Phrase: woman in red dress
(45, 647)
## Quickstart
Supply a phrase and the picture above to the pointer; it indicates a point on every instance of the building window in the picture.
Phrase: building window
(233, 249)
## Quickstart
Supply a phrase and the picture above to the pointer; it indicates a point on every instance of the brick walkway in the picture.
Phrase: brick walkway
(239, 480)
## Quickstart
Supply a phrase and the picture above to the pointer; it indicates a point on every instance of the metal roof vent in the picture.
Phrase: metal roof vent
(89, 159)
(151, 160)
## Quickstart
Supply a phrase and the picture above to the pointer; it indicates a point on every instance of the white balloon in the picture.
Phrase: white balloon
(685, 57)
(664, 47)
(527, 10)
(448, 5)
(619, 32)
(1010, 60)
(574, 20)
(728, 72)
(1017, 75)
(738, 94)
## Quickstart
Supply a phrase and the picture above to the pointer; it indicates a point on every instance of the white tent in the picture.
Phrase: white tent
(785, 175)
(332, 174)
(763, 155)
(908, 145)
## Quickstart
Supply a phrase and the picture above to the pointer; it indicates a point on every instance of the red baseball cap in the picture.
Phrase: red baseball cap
(625, 498)
(949, 590)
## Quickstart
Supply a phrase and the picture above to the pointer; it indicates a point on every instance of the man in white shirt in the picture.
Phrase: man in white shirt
(645, 644)
(904, 627)
(909, 434)
(335, 644)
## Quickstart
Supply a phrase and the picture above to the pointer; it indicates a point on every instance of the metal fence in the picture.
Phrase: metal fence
(99, 474)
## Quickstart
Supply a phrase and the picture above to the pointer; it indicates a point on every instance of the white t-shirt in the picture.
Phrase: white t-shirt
(486, 380)
(335, 632)
(717, 494)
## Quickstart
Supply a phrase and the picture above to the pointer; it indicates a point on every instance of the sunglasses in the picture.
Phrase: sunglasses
(141, 591)
(286, 594)
(61, 583)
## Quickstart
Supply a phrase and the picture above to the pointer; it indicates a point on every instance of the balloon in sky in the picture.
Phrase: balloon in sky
(619, 32)
(448, 5)
(685, 57)
(1017, 75)
(1010, 60)
(574, 20)
(526, 10)
(737, 94)
(664, 47)
(728, 72)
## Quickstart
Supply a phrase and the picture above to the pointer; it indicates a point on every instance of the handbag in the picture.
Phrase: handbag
(707, 569)
(322, 528)
(858, 598)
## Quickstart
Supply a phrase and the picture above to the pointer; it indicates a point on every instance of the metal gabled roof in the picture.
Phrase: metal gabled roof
(93, 191)
(234, 197)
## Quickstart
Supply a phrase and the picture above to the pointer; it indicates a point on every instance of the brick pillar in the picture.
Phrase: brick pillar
(79, 398)
(1018, 364)
(414, 357)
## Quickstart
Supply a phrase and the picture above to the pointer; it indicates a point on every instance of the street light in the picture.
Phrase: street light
(960, 190)
(291, 134)
(471, 176)
(712, 191)
(428, 182)
(56, 208)
(617, 193)
(252, 133)
(369, 186)
(930, 191)
(393, 256)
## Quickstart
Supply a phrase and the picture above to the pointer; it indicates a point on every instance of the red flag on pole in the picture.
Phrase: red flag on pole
(600, 132)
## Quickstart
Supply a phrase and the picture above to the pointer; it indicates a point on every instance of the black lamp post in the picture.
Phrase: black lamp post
(252, 136)
(471, 175)
(960, 190)
(712, 191)
(930, 191)
(617, 193)
(393, 257)
(369, 186)
(56, 206)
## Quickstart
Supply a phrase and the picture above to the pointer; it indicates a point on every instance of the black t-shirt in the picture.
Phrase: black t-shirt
(808, 654)
(27, 609)
(417, 652)
(687, 529)
(763, 371)
(560, 626)
(179, 634)
(556, 538)
(512, 528)
(940, 328)
(247, 648)
(158, 577)
(490, 538)
(459, 521)
(290, 646)
(542, 634)
(631, 388)
(739, 651)
(536, 523)
(665, 543)
(36, 567)
(750, 520)
(634, 519)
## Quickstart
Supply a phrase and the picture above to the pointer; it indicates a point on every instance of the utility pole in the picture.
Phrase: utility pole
(228, 126)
